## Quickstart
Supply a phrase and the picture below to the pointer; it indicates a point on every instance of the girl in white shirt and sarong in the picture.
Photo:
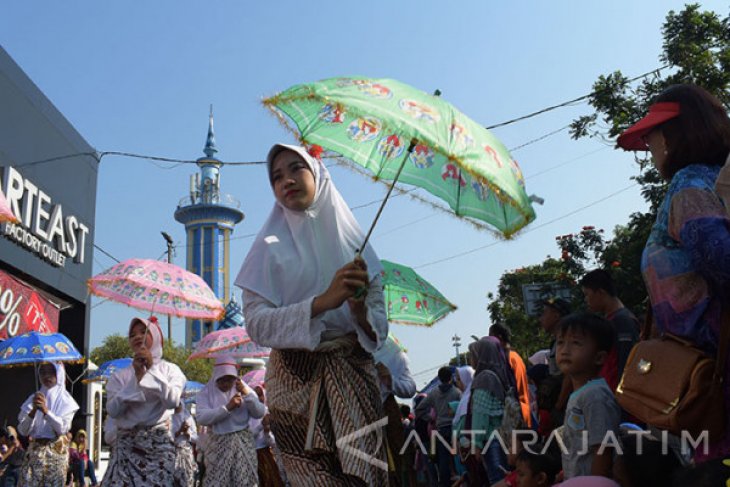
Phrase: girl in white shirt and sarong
(226, 404)
(322, 312)
(46, 417)
(141, 400)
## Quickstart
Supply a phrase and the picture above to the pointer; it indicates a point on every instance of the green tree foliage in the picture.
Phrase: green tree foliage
(696, 49)
(116, 346)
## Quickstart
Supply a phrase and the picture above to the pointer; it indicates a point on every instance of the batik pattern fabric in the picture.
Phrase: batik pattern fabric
(230, 459)
(142, 456)
(45, 463)
(686, 267)
(185, 466)
(318, 398)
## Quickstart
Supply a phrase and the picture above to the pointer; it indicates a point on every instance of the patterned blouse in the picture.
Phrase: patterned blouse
(686, 261)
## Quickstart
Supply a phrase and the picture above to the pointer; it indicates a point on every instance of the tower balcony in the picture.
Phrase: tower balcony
(212, 198)
(220, 209)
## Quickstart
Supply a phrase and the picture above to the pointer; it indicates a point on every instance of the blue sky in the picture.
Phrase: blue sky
(139, 77)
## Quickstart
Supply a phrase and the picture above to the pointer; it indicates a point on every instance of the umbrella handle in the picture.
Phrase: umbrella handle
(387, 195)
(361, 291)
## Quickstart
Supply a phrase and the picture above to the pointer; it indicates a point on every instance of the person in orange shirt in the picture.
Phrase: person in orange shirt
(518, 369)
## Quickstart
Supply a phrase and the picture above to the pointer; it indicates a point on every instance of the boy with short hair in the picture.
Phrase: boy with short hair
(584, 341)
(536, 469)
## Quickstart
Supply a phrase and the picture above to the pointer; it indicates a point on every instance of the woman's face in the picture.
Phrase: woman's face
(658, 147)
(225, 383)
(137, 338)
(47, 373)
(292, 181)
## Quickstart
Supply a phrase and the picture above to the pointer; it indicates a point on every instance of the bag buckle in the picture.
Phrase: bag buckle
(643, 367)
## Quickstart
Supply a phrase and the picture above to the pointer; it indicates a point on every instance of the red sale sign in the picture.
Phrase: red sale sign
(24, 309)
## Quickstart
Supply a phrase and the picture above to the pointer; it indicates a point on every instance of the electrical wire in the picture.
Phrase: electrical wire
(573, 101)
(531, 229)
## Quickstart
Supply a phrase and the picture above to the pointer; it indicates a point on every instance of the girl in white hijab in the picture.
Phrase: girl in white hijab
(303, 296)
(226, 404)
(141, 399)
(46, 417)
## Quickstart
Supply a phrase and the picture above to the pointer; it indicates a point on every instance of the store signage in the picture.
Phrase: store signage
(23, 309)
(44, 229)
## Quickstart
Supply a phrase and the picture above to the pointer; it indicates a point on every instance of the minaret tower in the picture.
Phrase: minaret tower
(209, 217)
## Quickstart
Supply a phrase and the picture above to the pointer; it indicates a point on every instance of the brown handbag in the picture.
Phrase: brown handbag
(671, 384)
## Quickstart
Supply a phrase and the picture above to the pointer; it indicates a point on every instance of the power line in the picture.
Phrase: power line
(533, 141)
(565, 163)
(532, 229)
(570, 102)
(99, 155)
(107, 253)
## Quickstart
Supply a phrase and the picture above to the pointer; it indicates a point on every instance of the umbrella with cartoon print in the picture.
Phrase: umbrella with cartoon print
(34, 348)
(402, 134)
(410, 299)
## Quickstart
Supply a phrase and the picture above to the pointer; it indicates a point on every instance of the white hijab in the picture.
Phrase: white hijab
(296, 253)
(158, 339)
(466, 375)
(58, 401)
(211, 397)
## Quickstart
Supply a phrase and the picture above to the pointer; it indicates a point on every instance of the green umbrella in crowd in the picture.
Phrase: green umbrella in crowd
(410, 299)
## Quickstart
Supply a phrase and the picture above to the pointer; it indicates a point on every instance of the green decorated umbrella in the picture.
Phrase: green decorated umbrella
(402, 134)
(410, 298)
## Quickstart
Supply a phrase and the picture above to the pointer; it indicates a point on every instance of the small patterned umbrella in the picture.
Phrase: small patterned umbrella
(158, 287)
(255, 377)
(6, 214)
(106, 369)
(410, 298)
(34, 348)
(233, 342)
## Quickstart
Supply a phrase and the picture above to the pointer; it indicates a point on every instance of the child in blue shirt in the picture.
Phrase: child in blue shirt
(592, 415)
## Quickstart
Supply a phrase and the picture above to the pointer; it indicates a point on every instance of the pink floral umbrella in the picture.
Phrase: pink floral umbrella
(158, 287)
(255, 377)
(233, 342)
(6, 214)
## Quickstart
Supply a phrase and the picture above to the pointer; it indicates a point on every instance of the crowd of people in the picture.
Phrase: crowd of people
(334, 409)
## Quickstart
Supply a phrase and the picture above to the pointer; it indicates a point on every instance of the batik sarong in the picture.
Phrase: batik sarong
(325, 406)
(45, 463)
(141, 456)
(230, 459)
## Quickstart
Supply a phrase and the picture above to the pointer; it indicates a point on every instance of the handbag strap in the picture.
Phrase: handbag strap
(648, 320)
(722, 347)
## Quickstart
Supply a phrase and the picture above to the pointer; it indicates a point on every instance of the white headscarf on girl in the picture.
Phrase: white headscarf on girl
(296, 253)
(211, 397)
(58, 401)
(154, 330)
(466, 375)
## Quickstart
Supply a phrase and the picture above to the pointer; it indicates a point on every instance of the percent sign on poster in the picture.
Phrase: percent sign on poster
(9, 307)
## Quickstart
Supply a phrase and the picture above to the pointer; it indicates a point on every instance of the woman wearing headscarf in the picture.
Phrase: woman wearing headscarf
(46, 417)
(141, 400)
(462, 380)
(81, 462)
(323, 314)
(226, 404)
(686, 260)
(185, 432)
(493, 381)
